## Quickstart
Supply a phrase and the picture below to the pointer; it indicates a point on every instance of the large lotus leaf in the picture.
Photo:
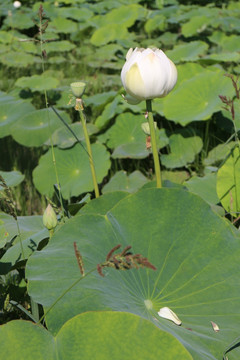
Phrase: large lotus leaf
(228, 182)
(11, 178)
(63, 138)
(93, 335)
(123, 15)
(59, 46)
(158, 22)
(108, 113)
(177, 177)
(4, 97)
(121, 181)
(228, 114)
(183, 151)
(73, 170)
(187, 52)
(10, 112)
(18, 59)
(62, 25)
(197, 98)
(196, 25)
(37, 82)
(181, 236)
(218, 153)
(205, 187)
(100, 99)
(19, 20)
(36, 127)
(79, 14)
(127, 129)
(32, 232)
(109, 33)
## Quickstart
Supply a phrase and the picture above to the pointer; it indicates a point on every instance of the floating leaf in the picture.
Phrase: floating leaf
(183, 151)
(205, 187)
(36, 127)
(11, 178)
(197, 98)
(180, 235)
(121, 181)
(37, 82)
(187, 52)
(228, 182)
(10, 112)
(73, 170)
(102, 339)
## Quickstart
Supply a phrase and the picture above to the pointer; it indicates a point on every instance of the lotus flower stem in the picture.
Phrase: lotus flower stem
(154, 144)
(94, 178)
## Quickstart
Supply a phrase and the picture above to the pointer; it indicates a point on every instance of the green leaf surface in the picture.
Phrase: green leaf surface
(37, 82)
(196, 25)
(109, 33)
(205, 187)
(62, 25)
(218, 153)
(123, 182)
(36, 127)
(103, 335)
(183, 151)
(181, 236)
(32, 232)
(73, 170)
(197, 98)
(58, 46)
(11, 112)
(228, 182)
(187, 52)
(64, 139)
(18, 59)
(11, 178)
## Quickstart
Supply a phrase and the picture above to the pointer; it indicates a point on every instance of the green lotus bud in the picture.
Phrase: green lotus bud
(146, 129)
(49, 218)
(78, 88)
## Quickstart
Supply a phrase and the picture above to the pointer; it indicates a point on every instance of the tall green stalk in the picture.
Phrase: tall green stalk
(89, 150)
(154, 144)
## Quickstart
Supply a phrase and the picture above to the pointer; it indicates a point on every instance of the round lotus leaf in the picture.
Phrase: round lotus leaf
(188, 254)
(19, 20)
(79, 14)
(196, 25)
(63, 138)
(187, 52)
(11, 112)
(11, 178)
(218, 153)
(104, 335)
(32, 232)
(73, 170)
(36, 127)
(197, 98)
(121, 181)
(61, 25)
(228, 182)
(59, 46)
(205, 186)
(18, 59)
(37, 82)
(109, 33)
(183, 151)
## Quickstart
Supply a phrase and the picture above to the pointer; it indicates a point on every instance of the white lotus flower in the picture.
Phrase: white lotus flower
(17, 4)
(148, 74)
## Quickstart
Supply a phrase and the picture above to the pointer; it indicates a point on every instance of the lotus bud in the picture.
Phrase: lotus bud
(146, 129)
(148, 74)
(49, 218)
(168, 314)
(78, 88)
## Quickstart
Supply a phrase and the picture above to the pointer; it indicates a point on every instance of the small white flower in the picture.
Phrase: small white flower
(17, 4)
(168, 314)
(148, 74)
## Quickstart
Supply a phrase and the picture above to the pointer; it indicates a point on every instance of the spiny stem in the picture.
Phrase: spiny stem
(89, 150)
(154, 143)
